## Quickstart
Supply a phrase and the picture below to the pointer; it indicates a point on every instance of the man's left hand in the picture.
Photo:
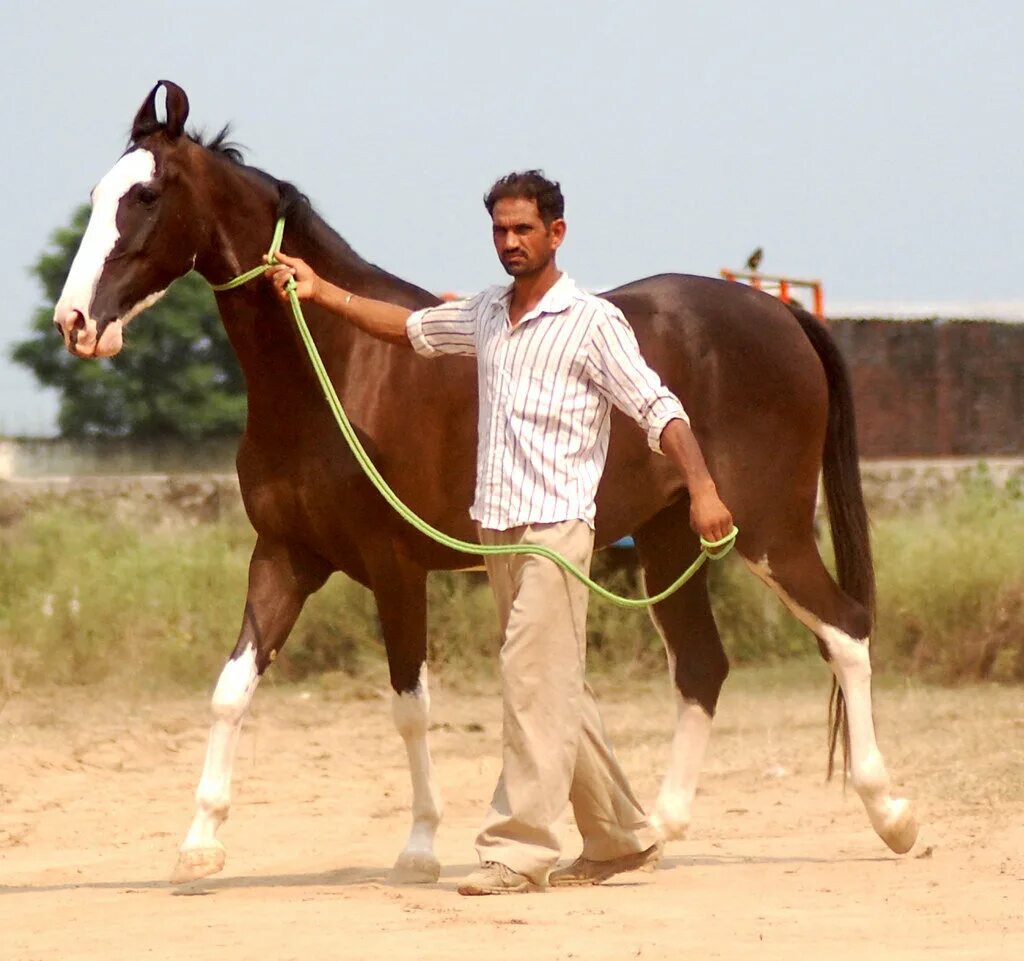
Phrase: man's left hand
(709, 517)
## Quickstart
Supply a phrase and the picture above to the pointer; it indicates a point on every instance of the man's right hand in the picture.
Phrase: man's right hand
(307, 283)
(379, 319)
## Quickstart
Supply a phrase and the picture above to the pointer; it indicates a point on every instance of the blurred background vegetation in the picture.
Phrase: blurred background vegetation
(180, 379)
(152, 597)
(92, 594)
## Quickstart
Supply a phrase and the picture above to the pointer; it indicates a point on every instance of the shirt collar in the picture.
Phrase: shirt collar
(558, 297)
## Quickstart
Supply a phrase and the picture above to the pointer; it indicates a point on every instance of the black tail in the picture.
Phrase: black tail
(847, 515)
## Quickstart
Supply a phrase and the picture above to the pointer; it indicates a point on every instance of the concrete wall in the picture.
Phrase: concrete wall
(924, 388)
(27, 458)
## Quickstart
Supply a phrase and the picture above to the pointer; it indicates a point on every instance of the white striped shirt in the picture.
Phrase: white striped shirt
(546, 389)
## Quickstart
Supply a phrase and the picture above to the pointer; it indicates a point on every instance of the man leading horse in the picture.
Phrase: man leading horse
(551, 361)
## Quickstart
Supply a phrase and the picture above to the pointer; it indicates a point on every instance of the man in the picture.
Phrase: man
(551, 360)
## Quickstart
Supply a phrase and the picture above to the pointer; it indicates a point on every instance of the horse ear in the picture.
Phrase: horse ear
(146, 121)
(177, 109)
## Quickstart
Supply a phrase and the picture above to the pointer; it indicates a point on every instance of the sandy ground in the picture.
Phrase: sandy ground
(95, 794)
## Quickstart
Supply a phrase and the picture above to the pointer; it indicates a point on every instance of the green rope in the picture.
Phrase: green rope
(275, 246)
(712, 549)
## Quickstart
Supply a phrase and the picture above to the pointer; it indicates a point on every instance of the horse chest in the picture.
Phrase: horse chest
(314, 501)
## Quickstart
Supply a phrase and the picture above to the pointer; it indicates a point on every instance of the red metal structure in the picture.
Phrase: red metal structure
(780, 286)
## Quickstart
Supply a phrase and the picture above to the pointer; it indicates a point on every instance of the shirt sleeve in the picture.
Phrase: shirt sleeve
(618, 370)
(445, 329)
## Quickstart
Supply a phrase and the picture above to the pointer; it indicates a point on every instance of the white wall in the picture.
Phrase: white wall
(26, 458)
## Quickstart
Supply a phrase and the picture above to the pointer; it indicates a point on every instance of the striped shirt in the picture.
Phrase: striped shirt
(546, 390)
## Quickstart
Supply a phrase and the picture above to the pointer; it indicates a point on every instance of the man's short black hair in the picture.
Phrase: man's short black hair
(529, 185)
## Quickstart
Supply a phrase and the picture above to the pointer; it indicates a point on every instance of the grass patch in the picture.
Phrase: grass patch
(88, 594)
(951, 586)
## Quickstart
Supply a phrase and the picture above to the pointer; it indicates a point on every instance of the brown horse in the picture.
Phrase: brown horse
(764, 386)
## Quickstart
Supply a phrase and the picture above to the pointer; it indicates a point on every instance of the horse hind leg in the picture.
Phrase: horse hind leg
(842, 626)
(697, 662)
(279, 583)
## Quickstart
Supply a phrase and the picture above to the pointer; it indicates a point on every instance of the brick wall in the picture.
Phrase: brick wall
(936, 388)
(922, 389)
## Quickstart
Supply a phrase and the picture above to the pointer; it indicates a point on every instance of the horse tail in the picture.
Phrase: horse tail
(847, 515)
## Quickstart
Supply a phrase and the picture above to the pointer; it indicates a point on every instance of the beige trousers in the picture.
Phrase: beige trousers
(554, 749)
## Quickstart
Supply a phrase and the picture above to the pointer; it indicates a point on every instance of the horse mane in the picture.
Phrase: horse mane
(292, 203)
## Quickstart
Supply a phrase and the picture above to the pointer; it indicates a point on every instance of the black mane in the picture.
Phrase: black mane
(220, 144)
(292, 203)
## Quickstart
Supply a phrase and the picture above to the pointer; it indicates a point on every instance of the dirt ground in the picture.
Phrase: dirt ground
(96, 793)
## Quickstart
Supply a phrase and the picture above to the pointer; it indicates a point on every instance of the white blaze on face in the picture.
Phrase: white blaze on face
(101, 235)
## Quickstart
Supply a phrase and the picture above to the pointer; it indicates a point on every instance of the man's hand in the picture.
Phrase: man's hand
(381, 320)
(307, 283)
(709, 517)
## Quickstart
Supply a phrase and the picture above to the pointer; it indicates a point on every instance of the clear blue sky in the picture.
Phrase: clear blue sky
(877, 145)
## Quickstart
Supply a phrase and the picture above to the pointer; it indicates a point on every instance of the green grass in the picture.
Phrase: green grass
(951, 586)
(89, 593)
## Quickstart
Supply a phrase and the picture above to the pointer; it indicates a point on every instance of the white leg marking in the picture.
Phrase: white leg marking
(672, 811)
(417, 862)
(892, 818)
(671, 817)
(201, 853)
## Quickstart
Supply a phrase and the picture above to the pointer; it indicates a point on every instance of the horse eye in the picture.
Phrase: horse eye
(146, 195)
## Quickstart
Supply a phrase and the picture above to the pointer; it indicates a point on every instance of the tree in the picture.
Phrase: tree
(176, 377)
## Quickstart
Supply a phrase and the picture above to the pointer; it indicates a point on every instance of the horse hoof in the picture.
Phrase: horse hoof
(669, 828)
(900, 828)
(415, 868)
(198, 863)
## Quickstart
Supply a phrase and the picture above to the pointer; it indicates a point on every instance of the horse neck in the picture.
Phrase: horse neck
(239, 232)
(258, 325)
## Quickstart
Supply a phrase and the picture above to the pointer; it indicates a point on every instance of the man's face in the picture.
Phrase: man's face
(523, 243)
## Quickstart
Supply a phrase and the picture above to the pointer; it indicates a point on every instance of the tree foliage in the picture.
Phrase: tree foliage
(176, 377)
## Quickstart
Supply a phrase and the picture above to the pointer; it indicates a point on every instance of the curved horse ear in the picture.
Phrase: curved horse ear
(146, 121)
(177, 109)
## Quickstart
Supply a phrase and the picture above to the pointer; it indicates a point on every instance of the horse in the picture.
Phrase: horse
(765, 387)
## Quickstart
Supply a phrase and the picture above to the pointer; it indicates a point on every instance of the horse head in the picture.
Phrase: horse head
(142, 233)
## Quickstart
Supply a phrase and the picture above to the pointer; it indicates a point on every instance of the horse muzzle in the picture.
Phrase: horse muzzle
(83, 336)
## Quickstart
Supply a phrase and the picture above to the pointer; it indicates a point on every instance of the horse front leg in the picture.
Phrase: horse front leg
(280, 580)
(400, 587)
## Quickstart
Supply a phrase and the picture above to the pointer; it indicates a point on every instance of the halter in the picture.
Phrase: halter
(275, 246)
(709, 549)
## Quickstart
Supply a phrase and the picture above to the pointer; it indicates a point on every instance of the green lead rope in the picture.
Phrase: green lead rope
(712, 549)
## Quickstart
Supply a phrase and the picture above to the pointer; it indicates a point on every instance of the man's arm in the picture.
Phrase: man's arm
(382, 320)
(708, 515)
(620, 372)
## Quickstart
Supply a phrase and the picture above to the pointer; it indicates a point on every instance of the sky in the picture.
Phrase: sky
(877, 145)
